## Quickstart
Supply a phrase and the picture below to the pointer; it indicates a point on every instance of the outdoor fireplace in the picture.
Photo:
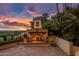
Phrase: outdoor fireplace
(37, 34)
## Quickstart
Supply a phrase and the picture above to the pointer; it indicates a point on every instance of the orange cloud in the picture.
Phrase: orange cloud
(10, 20)
(19, 20)
(25, 21)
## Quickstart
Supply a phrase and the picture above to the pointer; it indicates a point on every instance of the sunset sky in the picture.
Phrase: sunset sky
(18, 16)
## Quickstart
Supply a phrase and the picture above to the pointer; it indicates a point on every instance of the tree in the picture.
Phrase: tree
(67, 23)
(57, 7)
(32, 24)
(43, 19)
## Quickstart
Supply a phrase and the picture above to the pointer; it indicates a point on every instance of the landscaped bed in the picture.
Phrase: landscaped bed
(10, 41)
(4, 40)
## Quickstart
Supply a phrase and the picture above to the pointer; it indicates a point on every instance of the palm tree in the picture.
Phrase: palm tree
(65, 5)
(67, 23)
(57, 8)
(71, 5)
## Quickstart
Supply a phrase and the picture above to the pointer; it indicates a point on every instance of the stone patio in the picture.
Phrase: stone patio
(23, 50)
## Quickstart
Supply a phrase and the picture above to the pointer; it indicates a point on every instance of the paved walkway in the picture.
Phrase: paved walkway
(22, 50)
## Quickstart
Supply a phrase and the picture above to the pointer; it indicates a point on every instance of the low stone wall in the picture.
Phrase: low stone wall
(51, 40)
(76, 50)
(10, 45)
(65, 45)
(77, 53)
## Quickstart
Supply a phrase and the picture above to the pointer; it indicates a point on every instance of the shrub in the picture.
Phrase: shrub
(11, 41)
(76, 41)
(68, 36)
